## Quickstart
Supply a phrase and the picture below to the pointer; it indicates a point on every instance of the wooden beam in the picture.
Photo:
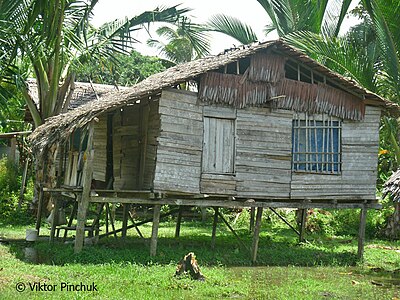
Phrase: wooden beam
(178, 222)
(135, 225)
(210, 202)
(154, 230)
(285, 221)
(139, 223)
(214, 228)
(83, 199)
(54, 219)
(13, 149)
(125, 219)
(257, 229)
(361, 233)
(233, 231)
(252, 216)
(23, 183)
(303, 225)
(40, 208)
(144, 124)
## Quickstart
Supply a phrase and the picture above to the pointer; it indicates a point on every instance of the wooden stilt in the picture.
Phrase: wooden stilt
(40, 208)
(54, 218)
(23, 183)
(252, 216)
(203, 214)
(154, 230)
(214, 228)
(111, 219)
(256, 236)
(13, 149)
(125, 219)
(107, 214)
(178, 222)
(83, 199)
(361, 232)
(71, 218)
(139, 223)
(303, 224)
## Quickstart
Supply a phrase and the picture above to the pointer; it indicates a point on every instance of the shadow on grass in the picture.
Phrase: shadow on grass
(277, 247)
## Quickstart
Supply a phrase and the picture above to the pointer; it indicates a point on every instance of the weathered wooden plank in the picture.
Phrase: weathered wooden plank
(222, 112)
(173, 112)
(178, 95)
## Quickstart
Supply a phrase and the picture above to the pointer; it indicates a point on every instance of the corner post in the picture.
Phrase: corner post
(126, 207)
(252, 216)
(178, 222)
(214, 228)
(154, 230)
(256, 236)
(361, 232)
(303, 224)
(83, 199)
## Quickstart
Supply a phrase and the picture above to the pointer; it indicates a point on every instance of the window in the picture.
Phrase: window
(316, 144)
(219, 145)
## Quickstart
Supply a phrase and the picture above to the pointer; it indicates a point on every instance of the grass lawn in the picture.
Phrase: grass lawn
(323, 268)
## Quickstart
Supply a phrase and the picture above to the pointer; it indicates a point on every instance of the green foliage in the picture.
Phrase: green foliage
(183, 42)
(126, 70)
(10, 184)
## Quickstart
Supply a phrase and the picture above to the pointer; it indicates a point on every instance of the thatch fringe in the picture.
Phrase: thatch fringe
(267, 67)
(318, 98)
(232, 90)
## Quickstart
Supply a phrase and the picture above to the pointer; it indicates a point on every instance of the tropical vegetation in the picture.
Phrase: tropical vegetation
(54, 35)
(184, 42)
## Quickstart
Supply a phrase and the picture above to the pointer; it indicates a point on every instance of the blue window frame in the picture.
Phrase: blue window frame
(316, 144)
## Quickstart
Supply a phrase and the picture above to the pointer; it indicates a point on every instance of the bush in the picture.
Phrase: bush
(10, 184)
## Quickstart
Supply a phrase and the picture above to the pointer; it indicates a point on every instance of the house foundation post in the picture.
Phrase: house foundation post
(178, 222)
(252, 216)
(214, 228)
(83, 198)
(154, 230)
(125, 219)
(256, 236)
(303, 224)
(361, 232)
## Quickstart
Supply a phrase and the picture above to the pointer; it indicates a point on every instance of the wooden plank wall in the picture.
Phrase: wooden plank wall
(126, 148)
(153, 131)
(263, 158)
(179, 149)
(100, 148)
(357, 181)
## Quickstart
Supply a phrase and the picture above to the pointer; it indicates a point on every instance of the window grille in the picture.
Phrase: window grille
(316, 144)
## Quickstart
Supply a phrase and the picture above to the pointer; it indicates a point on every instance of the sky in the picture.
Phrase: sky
(248, 11)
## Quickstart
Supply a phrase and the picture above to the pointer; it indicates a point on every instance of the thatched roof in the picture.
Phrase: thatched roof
(83, 92)
(58, 127)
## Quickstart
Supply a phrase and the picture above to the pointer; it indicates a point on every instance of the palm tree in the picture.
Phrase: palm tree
(369, 54)
(185, 42)
(53, 35)
(319, 16)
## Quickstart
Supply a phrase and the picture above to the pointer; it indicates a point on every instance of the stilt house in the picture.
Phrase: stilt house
(264, 123)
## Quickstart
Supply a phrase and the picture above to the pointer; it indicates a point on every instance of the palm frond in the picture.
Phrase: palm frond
(387, 41)
(338, 54)
(232, 27)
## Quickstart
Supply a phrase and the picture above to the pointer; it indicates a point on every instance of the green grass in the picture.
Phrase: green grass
(325, 267)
